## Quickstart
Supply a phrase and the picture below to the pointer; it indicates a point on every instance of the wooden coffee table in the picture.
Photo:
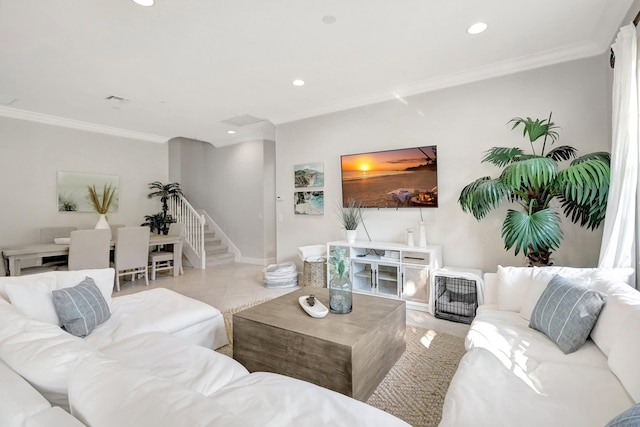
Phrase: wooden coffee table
(349, 353)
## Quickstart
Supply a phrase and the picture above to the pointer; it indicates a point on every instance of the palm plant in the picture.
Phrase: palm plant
(164, 191)
(533, 181)
(162, 220)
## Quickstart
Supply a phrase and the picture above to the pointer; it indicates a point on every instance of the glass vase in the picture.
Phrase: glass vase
(340, 295)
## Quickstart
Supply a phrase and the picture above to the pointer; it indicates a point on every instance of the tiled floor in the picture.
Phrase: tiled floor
(232, 285)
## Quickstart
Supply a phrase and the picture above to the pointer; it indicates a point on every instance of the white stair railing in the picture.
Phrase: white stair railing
(193, 248)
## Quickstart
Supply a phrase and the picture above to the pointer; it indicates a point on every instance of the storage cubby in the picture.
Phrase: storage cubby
(392, 270)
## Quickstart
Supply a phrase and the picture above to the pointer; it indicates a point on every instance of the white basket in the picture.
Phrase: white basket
(283, 275)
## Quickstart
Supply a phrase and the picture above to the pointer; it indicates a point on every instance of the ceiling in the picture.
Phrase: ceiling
(186, 66)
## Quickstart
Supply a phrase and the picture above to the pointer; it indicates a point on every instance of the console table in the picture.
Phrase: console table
(392, 270)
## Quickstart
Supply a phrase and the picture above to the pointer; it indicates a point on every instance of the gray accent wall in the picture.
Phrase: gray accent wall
(32, 154)
(464, 122)
(234, 184)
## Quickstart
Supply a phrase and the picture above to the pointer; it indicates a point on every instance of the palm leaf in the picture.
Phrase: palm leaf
(598, 155)
(585, 182)
(483, 195)
(563, 152)
(502, 156)
(589, 216)
(541, 231)
(534, 172)
(535, 128)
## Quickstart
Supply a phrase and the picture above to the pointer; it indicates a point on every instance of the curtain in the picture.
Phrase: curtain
(620, 235)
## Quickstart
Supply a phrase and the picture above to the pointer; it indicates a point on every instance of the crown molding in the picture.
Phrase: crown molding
(498, 69)
(80, 125)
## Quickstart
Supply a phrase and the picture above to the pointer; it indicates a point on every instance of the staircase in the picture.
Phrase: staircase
(216, 252)
(205, 243)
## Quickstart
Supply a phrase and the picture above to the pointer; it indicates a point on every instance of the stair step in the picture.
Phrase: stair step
(214, 241)
(215, 249)
(218, 259)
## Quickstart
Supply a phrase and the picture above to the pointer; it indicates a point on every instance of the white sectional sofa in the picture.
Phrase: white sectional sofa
(148, 365)
(515, 375)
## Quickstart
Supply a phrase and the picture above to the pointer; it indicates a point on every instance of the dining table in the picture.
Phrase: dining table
(15, 255)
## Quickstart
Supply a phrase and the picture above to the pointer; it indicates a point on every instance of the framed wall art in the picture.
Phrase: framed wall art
(73, 190)
(308, 202)
(309, 175)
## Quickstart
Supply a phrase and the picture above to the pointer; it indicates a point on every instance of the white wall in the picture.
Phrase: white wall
(230, 184)
(33, 153)
(463, 122)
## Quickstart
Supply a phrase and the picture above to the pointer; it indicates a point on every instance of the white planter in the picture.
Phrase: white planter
(102, 223)
(351, 236)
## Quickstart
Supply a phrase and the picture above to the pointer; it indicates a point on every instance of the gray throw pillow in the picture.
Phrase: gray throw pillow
(81, 308)
(629, 418)
(566, 312)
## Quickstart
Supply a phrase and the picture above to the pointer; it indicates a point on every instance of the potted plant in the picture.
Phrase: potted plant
(350, 216)
(163, 219)
(101, 202)
(533, 181)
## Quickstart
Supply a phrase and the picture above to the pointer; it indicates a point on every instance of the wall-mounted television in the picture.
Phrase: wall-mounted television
(401, 178)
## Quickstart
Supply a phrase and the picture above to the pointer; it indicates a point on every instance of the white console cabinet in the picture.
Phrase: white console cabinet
(391, 270)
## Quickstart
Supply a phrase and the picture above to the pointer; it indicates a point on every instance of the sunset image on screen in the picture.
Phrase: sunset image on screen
(395, 178)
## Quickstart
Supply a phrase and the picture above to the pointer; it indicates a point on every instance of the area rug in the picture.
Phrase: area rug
(415, 387)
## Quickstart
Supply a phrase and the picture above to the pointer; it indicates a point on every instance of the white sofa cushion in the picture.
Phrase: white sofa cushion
(40, 352)
(264, 399)
(509, 337)
(623, 358)
(103, 278)
(157, 310)
(105, 393)
(197, 368)
(486, 392)
(5, 280)
(566, 313)
(34, 298)
(18, 400)
(32, 294)
(621, 300)
(520, 287)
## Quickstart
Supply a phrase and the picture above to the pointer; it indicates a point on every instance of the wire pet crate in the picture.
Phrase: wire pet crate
(456, 298)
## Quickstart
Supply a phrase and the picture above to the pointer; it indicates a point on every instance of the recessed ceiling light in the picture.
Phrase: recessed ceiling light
(477, 28)
(144, 2)
(298, 82)
(328, 19)
(231, 132)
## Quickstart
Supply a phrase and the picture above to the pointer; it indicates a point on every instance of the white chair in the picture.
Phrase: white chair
(50, 234)
(131, 255)
(89, 249)
(163, 260)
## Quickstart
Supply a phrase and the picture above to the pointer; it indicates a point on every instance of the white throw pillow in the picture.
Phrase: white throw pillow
(103, 278)
(34, 299)
(30, 278)
(621, 299)
(514, 283)
(623, 358)
(519, 284)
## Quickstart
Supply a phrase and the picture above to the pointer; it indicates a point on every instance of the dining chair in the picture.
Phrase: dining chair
(49, 235)
(89, 249)
(163, 260)
(131, 255)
